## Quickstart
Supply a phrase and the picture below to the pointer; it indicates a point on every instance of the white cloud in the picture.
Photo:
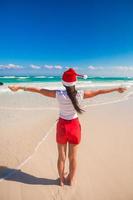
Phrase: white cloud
(53, 67)
(67, 67)
(11, 66)
(35, 66)
(131, 68)
(75, 68)
(91, 67)
(48, 66)
(124, 68)
(100, 67)
(58, 67)
(121, 67)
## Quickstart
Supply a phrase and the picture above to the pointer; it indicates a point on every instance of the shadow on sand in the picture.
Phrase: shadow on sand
(20, 176)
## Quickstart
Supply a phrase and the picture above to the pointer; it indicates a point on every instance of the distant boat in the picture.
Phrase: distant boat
(1, 83)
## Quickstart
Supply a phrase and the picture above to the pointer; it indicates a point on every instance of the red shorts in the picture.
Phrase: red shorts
(68, 131)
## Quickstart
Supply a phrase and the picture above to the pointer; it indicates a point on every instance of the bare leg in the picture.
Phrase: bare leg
(61, 161)
(72, 154)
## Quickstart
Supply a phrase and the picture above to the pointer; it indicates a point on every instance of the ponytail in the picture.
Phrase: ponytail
(71, 92)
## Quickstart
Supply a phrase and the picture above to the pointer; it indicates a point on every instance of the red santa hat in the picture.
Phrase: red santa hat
(69, 77)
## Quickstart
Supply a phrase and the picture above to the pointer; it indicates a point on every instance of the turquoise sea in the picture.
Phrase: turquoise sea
(31, 79)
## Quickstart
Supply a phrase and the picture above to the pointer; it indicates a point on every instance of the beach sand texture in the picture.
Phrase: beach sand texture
(28, 152)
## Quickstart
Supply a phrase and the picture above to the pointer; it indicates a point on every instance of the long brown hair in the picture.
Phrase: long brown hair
(71, 92)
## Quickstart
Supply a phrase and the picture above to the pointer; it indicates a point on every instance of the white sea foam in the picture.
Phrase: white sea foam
(50, 77)
(8, 77)
(40, 77)
(23, 77)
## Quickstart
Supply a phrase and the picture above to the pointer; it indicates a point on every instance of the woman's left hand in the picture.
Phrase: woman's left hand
(121, 89)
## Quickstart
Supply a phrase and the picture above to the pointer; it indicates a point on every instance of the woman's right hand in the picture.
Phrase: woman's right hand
(14, 88)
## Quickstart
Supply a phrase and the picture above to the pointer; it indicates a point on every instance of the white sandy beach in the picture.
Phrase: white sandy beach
(28, 151)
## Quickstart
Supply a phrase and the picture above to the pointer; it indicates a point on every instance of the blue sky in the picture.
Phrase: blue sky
(78, 33)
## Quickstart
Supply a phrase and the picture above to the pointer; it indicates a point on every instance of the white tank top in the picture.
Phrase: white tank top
(67, 110)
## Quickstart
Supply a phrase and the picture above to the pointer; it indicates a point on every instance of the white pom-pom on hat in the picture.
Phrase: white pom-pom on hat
(85, 76)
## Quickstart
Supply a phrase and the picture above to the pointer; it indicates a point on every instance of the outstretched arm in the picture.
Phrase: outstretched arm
(89, 94)
(45, 92)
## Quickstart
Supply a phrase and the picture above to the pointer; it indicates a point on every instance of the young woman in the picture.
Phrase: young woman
(68, 130)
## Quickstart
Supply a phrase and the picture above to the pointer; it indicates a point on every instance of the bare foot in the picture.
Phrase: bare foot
(68, 180)
(61, 183)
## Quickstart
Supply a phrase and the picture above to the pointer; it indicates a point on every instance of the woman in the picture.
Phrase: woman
(68, 130)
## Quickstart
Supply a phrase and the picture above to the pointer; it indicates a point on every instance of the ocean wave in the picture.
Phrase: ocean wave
(50, 76)
(23, 77)
(40, 77)
(7, 76)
